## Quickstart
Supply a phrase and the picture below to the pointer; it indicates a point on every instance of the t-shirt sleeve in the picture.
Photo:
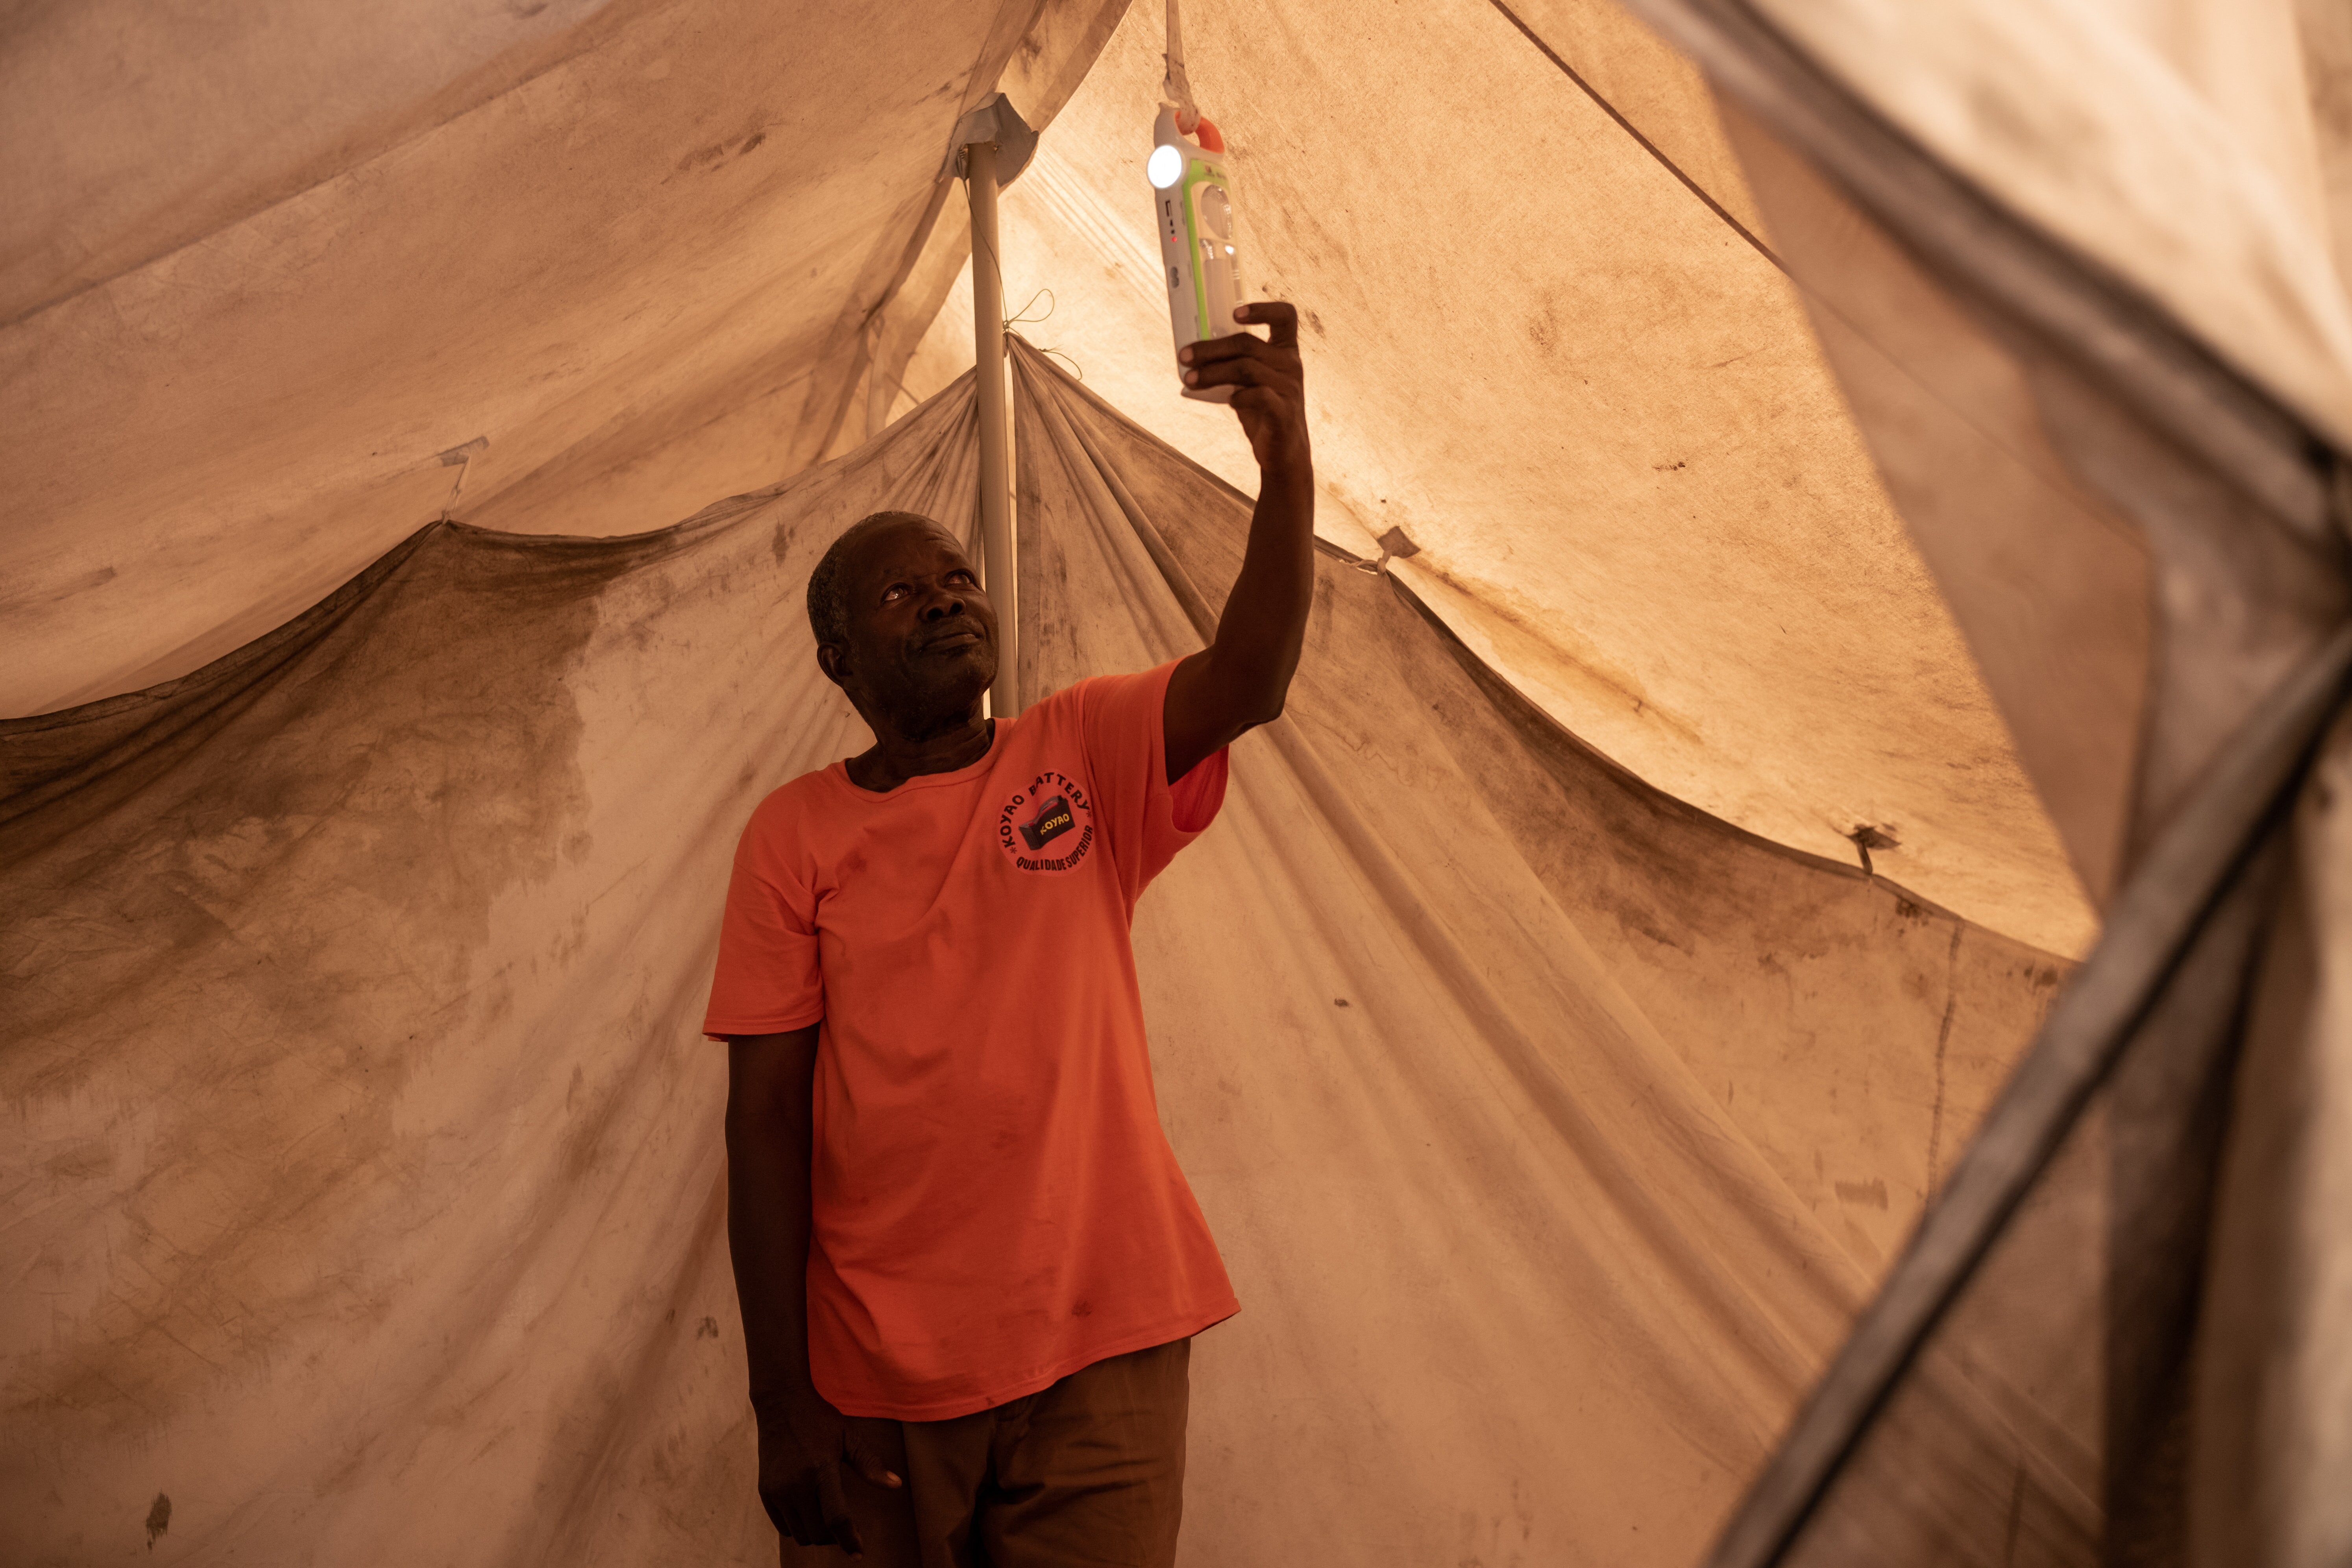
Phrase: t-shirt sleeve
(1146, 820)
(768, 978)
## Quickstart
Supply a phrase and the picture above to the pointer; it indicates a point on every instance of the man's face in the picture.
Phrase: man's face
(922, 637)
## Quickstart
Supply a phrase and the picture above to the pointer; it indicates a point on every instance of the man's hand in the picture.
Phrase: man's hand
(1270, 383)
(804, 1444)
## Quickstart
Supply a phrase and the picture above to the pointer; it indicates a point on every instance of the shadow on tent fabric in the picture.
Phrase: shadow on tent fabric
(368, 1196)
(2120, 1336)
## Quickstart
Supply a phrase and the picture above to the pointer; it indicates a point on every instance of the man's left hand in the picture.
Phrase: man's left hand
(1270, 384)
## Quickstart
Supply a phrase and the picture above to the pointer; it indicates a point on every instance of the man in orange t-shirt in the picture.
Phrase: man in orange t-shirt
(968, 1265)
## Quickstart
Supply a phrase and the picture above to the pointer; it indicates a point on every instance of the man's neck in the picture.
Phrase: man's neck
(897, 756)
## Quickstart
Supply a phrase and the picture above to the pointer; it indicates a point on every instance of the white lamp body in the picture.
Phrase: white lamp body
(1192, 198)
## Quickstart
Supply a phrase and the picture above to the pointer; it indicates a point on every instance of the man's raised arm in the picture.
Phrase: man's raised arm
(1239, 682)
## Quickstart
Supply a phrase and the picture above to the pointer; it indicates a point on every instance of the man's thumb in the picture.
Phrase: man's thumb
(864, 1461)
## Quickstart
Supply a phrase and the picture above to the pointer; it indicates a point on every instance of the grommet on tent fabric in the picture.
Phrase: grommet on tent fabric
(1394, 546)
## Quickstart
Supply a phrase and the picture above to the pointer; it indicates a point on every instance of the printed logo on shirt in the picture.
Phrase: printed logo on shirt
(1048, 826)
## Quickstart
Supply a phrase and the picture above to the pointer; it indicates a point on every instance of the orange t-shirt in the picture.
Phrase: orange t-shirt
(994, 1205)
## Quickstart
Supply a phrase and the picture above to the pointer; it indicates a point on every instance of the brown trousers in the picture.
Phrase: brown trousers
(1087, 1473)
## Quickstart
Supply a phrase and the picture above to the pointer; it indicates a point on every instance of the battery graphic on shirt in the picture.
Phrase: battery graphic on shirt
(1053, 820)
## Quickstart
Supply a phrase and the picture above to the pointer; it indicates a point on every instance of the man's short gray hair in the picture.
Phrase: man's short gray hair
(828, 593)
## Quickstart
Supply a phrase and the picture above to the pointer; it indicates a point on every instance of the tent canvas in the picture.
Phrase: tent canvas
(1464, 1177)
(534, 272)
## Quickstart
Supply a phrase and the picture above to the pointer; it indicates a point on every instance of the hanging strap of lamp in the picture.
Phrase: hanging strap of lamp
(1174, 88)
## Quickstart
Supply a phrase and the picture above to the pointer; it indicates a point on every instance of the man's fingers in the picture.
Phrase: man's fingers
(1241, 345)
(794, 1515)
(782, 1512)
(839, 1527)
(1226, 372)
(1279, 314)
(1233, 346)
(1241, 372)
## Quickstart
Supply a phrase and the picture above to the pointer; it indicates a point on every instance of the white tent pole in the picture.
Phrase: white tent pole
(997, 564)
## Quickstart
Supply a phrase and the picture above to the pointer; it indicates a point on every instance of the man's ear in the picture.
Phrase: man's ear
(832, 658)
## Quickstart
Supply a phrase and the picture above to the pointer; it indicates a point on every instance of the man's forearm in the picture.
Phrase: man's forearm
(1264, 621)
(1241, 680)
(768, 1132)
(803, 1442)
